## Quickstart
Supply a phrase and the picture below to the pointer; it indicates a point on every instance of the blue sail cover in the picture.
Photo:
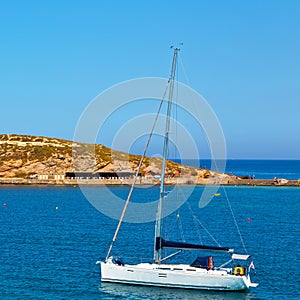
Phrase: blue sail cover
(160, 243)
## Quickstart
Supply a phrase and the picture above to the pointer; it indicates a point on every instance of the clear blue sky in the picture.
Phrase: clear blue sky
(242, 56)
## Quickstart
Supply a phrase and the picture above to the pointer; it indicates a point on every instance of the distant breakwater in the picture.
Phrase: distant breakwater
(149, 181)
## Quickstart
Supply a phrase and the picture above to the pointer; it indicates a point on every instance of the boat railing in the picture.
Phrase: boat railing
(133, 259)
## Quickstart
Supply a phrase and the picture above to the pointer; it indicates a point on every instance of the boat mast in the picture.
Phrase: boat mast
(158, 224)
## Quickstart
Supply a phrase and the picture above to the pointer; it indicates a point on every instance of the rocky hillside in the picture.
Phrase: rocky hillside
(22, 156)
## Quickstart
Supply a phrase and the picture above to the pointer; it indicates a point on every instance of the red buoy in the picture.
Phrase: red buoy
(249, 220)
(4, 204)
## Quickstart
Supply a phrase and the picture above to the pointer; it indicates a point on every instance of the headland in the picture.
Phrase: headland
(37, 160)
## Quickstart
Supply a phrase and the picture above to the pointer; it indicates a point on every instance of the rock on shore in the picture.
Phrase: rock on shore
(23, 156)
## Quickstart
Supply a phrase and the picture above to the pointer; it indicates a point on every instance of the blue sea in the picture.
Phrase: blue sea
(51, 238)
(260, 169)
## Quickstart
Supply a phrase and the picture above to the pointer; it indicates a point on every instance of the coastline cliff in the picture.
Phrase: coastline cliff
(24, 156)
(26, 159)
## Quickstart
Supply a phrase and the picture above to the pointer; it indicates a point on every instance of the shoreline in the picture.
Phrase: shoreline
(146, 181)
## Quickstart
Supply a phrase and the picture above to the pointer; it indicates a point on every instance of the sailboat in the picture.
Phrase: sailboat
(200, 274)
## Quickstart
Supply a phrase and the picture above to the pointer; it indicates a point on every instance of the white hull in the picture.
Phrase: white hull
(177, 276)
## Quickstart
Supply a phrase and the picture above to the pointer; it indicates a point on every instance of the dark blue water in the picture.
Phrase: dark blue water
(51, 254)
(261, 169)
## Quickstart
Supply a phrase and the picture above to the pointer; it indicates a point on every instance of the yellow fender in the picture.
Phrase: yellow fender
(239, 271)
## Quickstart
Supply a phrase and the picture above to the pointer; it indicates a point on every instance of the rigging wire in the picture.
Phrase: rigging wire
(184, 71)
(180, 227)
(179, 223)
(136, 174)
(200, 223)
(236, 224)
(177, 226)
(230, 207)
